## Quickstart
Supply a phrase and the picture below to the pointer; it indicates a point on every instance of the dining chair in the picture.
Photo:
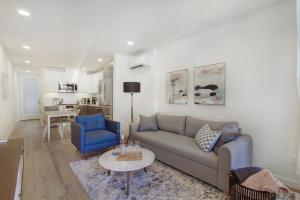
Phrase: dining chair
(66, 123)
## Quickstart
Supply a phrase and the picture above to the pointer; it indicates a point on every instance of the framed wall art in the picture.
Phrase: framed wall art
(177, 87)
(209, 84)
(4, 85)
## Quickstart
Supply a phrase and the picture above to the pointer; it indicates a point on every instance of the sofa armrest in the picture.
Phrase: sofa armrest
(114, 127)
(133, 128)
(77, 136)
(233, 155)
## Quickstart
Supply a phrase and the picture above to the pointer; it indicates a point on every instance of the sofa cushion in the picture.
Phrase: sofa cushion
(225, 138)
(99, 136)
(174, 124)
(148, 123)
(178, 144)
(206, 138)
(92, 122)
(193, 125)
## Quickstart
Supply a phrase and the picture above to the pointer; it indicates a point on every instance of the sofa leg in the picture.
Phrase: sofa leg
(85, 156)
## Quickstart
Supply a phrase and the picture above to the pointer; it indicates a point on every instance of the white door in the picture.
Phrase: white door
(29, 96)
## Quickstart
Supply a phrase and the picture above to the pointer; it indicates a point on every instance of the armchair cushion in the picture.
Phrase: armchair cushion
(99, 136)
(92, 122)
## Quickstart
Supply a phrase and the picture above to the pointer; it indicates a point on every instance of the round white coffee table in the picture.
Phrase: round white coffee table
(109, 162)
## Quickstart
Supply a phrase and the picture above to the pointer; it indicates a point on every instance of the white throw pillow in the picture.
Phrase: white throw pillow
(206, 138)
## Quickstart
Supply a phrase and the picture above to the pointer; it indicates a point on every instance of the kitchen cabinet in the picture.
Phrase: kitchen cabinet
(51, 80)
(83, 110)
(90, 110)
(11, 169)
(95, 85)
(87, 83)
(94, 110)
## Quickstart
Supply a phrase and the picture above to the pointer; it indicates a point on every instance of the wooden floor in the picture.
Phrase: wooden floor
(47, 174)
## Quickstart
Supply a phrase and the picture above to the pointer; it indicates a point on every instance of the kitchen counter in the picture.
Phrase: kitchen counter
(90, 109)
(95, 105)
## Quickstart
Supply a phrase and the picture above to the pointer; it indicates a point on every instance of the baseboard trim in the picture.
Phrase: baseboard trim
(289, 182)
(3, 141)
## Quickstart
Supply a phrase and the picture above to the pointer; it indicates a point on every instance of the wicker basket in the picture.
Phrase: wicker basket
(239, 192)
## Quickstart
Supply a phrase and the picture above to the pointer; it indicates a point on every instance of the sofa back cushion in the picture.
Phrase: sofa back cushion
(148, 123)
(91, 122)
(174, 124)
(193, 125)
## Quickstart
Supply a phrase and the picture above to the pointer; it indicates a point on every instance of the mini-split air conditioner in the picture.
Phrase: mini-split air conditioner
(139, 62)
(137, 65)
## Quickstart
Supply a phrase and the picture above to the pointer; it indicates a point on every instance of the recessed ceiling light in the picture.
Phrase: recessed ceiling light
(27, 61)
(23, 12)
(27, 71)
(26, 47)
(100, 59)
(130, 43)
(84, 69)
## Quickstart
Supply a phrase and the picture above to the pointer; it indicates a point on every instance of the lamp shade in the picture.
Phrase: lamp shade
(131, 87)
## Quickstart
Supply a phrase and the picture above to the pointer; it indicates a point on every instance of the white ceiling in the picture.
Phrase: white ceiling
(74, 33)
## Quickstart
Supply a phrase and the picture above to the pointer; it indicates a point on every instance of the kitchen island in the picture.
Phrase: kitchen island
(91, 109)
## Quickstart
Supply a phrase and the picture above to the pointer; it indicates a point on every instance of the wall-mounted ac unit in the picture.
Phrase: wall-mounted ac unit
(138, 65)
(139, 61)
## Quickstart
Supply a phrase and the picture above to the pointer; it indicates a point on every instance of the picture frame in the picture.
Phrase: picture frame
(209, 84)
(4, 85)
(177, 87)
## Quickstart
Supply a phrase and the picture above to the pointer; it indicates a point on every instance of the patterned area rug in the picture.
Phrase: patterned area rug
(160, 182)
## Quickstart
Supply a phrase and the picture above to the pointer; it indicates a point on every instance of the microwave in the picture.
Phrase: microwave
(67, 87)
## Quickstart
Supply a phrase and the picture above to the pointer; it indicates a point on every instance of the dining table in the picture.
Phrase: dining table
(51, 114)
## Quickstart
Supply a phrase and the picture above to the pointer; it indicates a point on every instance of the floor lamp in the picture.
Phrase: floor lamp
(131, 87)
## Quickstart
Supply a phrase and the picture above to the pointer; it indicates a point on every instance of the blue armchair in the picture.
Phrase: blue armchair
(94, 132)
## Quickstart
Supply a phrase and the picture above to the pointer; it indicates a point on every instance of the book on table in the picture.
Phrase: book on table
(130, 156)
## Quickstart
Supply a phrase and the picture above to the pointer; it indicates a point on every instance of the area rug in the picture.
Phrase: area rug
(160, 182)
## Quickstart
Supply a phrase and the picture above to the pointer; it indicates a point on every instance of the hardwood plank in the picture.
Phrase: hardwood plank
(47, 174)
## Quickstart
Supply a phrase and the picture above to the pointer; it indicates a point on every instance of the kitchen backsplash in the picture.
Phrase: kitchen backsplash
(68, 98)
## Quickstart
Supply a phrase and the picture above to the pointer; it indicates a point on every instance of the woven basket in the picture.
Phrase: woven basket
(239, 192)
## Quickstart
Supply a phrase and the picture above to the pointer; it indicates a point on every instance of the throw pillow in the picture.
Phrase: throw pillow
(148, 123)
(225, 138)
(206, 138)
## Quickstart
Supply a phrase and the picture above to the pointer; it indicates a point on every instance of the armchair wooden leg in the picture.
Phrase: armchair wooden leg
(85, 156)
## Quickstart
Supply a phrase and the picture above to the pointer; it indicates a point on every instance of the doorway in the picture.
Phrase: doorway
(29, 96)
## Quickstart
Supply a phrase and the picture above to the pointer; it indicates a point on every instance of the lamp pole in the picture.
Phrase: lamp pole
(131, 107)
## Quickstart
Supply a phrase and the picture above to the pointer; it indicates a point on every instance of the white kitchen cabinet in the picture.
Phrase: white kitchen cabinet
(95, 86)
(87, 83)
(51, 80)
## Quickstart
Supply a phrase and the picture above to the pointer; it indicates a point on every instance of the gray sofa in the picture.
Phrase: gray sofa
(174, 145)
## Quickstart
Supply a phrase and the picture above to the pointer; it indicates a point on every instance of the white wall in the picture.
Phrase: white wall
(143, 102)
(260, 51)
(261, 93)
(7, 113)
